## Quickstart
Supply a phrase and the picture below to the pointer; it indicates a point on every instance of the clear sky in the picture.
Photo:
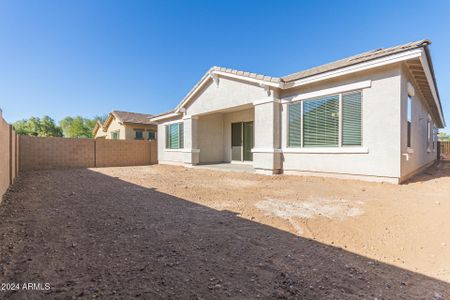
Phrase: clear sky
(87, 58)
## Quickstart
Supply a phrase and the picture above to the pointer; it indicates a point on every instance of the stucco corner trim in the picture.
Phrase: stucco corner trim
(190, 117)
(266, 150)
(173, 150)
(190, 150)
(325, 150)
(266, 100)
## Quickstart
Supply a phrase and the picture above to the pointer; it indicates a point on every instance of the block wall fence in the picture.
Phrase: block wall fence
(43, 153)
(29, 153)
(9, 148)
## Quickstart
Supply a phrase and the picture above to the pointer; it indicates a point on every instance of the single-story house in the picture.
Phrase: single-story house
(123, 125)
(371, 116)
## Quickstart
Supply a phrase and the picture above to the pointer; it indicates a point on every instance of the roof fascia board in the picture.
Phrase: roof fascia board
(193, 92)
(248, 79)
(358, 67)
(167, 116)
(426, 68)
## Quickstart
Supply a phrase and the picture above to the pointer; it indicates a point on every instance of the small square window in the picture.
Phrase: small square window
(138, 135)
(115, 135)
(151, 135)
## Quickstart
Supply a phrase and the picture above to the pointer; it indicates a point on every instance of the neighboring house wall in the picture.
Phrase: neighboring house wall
(421, 154)
(100, 133)
(127, 130)
(115, 126)
(130, 130)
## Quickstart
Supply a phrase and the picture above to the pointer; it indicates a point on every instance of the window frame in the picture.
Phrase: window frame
(167, 138)
(340, 121)
(148, 135)
(113, 134)
(135, 133)
(409, 121)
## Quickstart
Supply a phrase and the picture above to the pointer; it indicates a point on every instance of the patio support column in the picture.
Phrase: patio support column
(267, 156)
(191, 152)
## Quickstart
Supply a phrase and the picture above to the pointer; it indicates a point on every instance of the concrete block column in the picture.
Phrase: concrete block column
(267, 156)
(191, 153)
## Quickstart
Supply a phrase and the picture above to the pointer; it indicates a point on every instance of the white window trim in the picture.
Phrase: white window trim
(329, 150)
(165, 131)
(340, 121)
(173, 150)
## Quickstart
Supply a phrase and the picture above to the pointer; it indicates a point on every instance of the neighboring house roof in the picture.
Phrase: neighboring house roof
(131, 117)
(98, 125)
(126, 117)
(370, 58)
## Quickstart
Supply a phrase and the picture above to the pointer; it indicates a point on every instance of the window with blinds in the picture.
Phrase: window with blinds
(295, 125)
(351, 119)
(321, 122)
(175, 136)
(330, 121)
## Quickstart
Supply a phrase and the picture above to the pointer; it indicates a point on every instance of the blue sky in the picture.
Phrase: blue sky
(87, 58)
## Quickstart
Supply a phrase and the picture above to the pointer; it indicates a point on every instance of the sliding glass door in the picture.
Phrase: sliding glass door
(242, 141)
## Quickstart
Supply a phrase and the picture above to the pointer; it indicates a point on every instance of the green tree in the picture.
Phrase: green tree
(77, 127)
(38, 127)
(443, 136)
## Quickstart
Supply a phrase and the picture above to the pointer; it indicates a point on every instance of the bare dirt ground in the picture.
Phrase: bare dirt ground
(171, 232)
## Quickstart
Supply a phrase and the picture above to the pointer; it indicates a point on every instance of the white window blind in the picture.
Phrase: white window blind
(316, 122)
(351, 119)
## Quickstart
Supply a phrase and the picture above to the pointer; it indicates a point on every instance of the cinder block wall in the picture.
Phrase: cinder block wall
(116, 153)
(42, 153)
(8, 155)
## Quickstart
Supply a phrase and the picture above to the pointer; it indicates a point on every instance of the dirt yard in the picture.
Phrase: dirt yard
(171, 232)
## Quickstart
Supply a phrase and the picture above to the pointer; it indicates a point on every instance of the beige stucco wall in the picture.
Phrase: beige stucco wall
(130, 134)
(116, 126)
(380, 126)
(168, 155)
(100, 133)
(245, 115)
(383, 127)
(421, 155)
(229, 93)
(210, 138)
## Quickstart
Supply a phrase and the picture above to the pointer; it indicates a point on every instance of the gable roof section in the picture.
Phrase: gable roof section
(128, 117)
(366, 60)
(98, 125)
(131, 117)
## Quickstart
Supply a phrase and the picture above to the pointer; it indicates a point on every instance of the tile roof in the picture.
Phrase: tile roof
(356, 59)
(352, 60)
(131, 117)
(246, 74)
